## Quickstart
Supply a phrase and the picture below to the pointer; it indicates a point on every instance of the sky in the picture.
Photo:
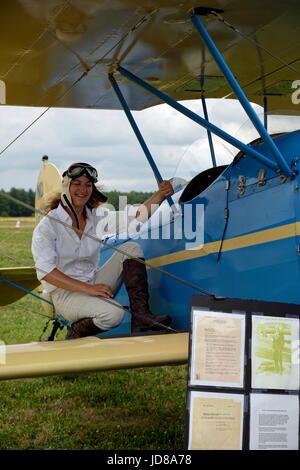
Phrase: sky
(105, 139)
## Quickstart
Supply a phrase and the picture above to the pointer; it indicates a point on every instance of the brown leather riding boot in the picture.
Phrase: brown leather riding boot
(82, 328)
(136, 283)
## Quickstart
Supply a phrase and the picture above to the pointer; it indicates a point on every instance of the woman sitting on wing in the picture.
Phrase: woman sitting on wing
(67, 261)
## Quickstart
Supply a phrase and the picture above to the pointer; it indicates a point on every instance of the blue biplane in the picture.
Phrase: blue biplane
(244, 218)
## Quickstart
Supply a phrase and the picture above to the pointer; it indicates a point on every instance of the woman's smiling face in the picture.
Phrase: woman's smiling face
(80, 190)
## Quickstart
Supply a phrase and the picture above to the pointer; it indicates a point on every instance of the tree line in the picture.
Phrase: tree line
(9, 208)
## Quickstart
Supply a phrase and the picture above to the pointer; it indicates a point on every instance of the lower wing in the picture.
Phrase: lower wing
(23, 276)
(91, 354)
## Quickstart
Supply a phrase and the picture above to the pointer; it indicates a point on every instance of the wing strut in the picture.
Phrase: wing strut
(241, 95)
(210, 141)
(266, 113)
(138, 134)
(199, 120)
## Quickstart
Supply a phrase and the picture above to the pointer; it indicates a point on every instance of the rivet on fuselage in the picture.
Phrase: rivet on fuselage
(282, 178)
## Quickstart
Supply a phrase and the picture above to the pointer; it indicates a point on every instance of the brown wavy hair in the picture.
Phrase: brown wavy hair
(95, 200)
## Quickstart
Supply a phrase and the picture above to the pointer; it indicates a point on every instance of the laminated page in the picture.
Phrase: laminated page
(216, 421)
(218, 345)
(274, 422)
(274, 364)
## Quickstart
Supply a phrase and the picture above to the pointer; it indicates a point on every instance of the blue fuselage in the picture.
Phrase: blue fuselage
(251, 242)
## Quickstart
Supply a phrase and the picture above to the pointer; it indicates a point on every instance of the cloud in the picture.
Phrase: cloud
(105, 139)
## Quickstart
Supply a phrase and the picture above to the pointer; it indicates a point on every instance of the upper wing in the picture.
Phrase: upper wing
(58, 53)
(91, 354)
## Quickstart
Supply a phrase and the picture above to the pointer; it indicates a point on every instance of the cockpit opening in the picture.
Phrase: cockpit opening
(200, 182)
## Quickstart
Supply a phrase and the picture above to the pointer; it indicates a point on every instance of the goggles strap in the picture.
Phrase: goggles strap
(72, 209)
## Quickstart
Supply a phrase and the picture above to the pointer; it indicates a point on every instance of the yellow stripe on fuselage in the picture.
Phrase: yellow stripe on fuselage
(243, 241)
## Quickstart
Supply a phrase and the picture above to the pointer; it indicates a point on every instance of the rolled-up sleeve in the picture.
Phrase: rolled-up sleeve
(43, 248)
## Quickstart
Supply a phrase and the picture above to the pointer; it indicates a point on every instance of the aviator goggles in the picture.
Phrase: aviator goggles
(79, 169)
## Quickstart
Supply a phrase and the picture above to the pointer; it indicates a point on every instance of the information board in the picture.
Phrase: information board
(243, 381)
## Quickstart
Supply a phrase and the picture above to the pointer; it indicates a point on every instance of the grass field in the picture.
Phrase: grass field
(118, 410)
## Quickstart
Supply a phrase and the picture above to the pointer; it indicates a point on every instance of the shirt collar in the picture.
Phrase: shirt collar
(89, 221)
(88, 213)
(63, 215)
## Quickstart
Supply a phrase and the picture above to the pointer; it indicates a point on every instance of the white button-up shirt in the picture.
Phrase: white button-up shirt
(56, 246)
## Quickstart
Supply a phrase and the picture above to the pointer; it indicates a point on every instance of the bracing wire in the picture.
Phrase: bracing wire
(104, 243)
(253, 41)
(87, 69)
(42, 114)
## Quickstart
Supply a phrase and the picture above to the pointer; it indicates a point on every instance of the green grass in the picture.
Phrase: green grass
(115, 410)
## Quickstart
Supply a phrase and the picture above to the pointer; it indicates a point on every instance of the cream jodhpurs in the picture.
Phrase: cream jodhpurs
(106, 313)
